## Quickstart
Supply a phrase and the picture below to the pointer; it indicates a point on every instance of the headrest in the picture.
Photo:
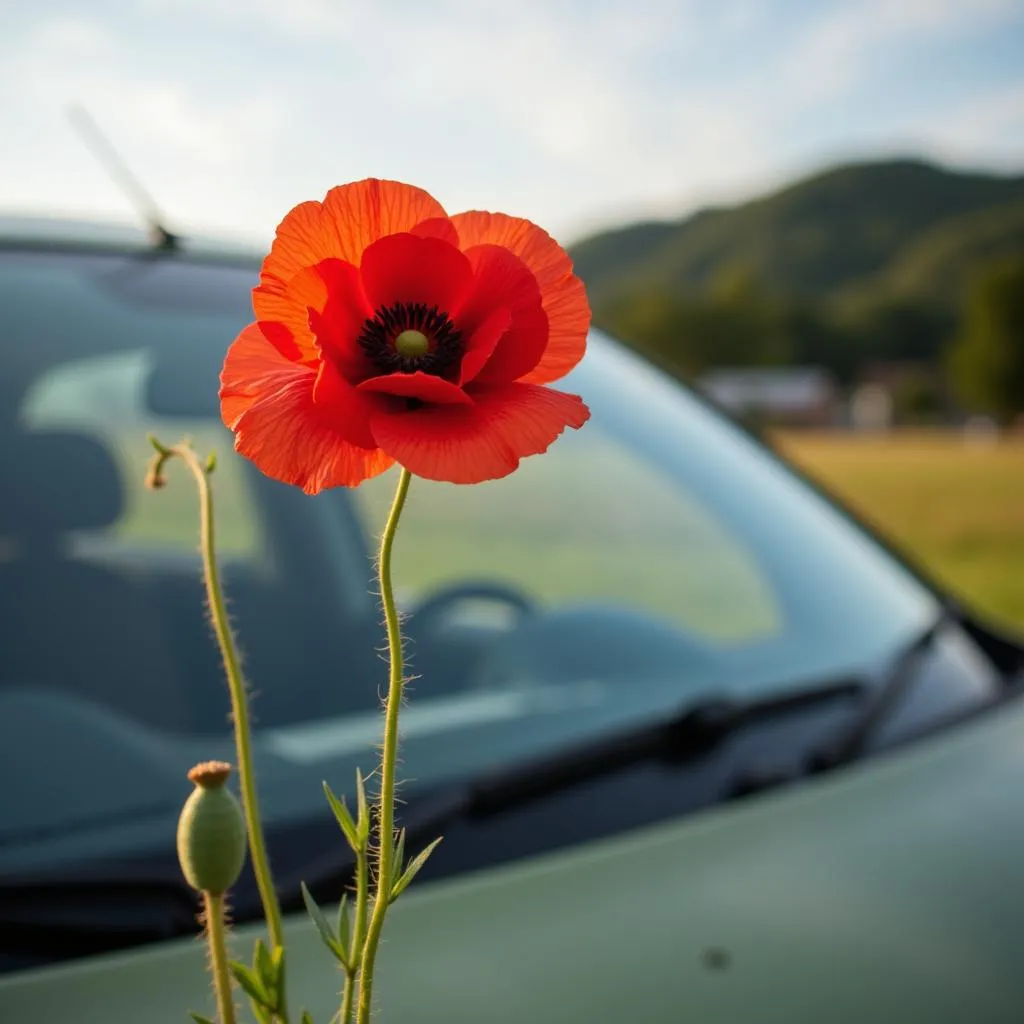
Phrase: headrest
(52, 482)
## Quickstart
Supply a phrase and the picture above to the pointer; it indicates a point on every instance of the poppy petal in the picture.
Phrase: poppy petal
(349, 219)
(337, 325)
(437, 227)
(347, 409)
(424, 386)
(292, 440)
(482, 343)
(562, 293)
(276, 305)
(467, 444)
(302, 239)
(519, 349)
(253, 365)
(411, 269)
(502, 280)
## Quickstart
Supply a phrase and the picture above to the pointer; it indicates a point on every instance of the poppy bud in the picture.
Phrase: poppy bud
(211, 831)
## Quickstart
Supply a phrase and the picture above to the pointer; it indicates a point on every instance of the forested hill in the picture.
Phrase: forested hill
(847, 226)
(855, 248)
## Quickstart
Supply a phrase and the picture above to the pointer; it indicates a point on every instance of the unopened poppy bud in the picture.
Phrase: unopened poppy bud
(412, 343)
(211, 831)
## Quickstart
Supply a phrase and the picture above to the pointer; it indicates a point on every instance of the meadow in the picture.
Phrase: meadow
(954, 504)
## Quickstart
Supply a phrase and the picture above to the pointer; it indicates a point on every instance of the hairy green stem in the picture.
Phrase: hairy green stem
(347, 997)
(362, 899)
(358, 935)
(389, 757)
(213, 906)
(236, 684)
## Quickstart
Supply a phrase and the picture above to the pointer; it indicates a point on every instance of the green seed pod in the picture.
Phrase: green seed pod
(211, 831)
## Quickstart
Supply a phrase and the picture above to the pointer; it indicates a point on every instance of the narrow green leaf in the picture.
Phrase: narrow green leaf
(363, 819)
(267, 967)
(348, 826)
(413, 869)
(200, 1019)
(398, 861)
(307, 1017)
(344, 922)
(262, 966)
(330, 940)
(163, 450)
(277, 962)
(251, 984)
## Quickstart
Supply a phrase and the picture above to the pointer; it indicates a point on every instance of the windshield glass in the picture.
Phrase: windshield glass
(653, 557)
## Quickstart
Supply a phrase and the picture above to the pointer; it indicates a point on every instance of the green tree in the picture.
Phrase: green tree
(988, 358)
(689, 333)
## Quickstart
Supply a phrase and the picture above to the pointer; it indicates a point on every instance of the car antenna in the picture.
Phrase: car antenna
(101, 148)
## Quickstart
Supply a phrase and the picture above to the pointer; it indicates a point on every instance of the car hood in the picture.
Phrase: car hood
(888, 891)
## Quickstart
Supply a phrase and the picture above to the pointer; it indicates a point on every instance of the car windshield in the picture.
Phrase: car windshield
(655, 556)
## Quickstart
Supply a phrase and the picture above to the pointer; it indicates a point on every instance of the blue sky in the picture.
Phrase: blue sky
(577, 114)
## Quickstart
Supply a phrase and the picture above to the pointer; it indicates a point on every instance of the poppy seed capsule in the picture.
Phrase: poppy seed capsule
(211, 831)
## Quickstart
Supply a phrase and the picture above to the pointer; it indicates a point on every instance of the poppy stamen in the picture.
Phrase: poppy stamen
(411, 336)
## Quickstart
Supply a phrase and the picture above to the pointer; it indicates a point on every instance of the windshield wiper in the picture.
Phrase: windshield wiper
(691, 732)
(61, 914)
(855, 736)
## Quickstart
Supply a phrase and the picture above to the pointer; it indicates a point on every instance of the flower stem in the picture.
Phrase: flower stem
(358, 935)
(362, 899)
(386, 803)
(236, 682)
(214, 912)
(347, 998)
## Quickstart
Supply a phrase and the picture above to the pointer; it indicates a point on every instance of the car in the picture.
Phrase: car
(701, 745)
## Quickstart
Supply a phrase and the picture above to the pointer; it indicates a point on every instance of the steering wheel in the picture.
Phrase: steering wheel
(432, 609)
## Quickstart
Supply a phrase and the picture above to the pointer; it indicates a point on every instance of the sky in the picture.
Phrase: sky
(578, 114)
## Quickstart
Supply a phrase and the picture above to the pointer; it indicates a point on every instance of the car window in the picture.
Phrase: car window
(655, 557)
(102, 397)
(588, 522)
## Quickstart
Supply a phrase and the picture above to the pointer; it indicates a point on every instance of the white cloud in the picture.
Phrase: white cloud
(570, 113)
(180, 136)
(993, 123)
(847, 43)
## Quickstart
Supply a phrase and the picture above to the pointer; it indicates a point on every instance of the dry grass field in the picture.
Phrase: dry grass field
(954, 504)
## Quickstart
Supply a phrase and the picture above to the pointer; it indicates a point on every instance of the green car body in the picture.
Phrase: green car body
(889, 892)
(890, 889)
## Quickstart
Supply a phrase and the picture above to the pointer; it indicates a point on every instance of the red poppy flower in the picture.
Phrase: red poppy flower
(387, 331)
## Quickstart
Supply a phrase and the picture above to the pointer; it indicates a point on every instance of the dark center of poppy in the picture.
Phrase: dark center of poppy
(411, 336)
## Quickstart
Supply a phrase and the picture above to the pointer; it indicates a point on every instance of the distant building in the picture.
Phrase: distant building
(871, 408)
(789, 396)
(912, 392)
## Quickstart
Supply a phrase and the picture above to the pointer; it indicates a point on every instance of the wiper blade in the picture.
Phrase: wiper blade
(692, 731)
(856, 734)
